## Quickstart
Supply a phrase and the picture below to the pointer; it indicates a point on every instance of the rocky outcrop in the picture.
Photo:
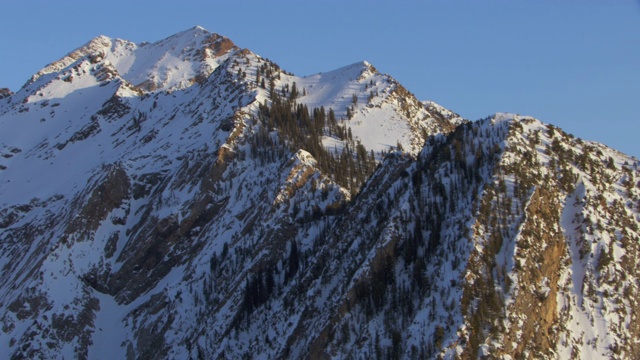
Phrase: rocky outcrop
(4, 93)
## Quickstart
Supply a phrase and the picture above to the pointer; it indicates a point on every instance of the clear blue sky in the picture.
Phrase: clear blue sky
(573, 63)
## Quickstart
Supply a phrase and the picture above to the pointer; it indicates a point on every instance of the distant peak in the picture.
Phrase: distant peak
(217, 43)
(360, 64)
(100, 39)
(359, 67)
(365, 65)
(96, 44)
(196, 31)
(503, 116)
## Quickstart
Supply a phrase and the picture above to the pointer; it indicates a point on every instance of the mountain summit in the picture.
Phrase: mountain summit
(190, 199)
(173, 63)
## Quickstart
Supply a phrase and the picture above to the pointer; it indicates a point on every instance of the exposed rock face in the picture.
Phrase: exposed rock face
(231, 209)
(4, 92)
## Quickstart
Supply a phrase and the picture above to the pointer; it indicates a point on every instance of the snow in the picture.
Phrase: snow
(378, 122)
(109, 332)
(377, 128)
(168, 62)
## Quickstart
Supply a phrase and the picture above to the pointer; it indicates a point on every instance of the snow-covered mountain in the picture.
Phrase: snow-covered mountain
(190, 199)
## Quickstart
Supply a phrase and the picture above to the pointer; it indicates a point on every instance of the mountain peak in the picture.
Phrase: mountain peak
(194, 32)
(172, 63)
(100, 42)
(362, 65)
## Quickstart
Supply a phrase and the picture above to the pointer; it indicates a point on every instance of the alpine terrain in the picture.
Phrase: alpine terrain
(190, 199)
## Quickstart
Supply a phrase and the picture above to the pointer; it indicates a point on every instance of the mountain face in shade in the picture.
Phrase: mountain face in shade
(190, 199)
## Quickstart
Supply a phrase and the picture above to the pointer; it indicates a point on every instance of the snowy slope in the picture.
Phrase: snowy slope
(169, 64)
(384, 114)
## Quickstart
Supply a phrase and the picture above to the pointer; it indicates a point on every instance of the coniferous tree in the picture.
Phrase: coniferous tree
(294, 261)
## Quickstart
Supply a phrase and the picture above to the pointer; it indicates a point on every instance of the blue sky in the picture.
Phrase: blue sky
(573, 63)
